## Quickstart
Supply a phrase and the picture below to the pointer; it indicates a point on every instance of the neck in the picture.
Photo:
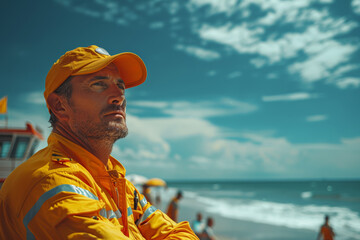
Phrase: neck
(100, 148)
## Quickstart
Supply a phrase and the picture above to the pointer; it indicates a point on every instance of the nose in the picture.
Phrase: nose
(117, 95)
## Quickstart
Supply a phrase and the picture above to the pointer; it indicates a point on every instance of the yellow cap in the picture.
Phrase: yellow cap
(86, 60)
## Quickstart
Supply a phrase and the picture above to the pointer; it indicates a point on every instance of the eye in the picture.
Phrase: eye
(98, 85)
(120, 83)
(121, 86)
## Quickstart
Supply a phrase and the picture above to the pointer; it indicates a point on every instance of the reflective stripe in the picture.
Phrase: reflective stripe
(143, 202)
(129, 210)
(110, 213)
(49, 194)
(103, 213)
(118, 214)
(148, 212)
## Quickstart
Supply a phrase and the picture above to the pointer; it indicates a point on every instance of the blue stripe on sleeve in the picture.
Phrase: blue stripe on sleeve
(148, 212)
(47, 195)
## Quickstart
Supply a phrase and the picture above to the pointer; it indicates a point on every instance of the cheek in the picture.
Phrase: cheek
(88, 105)
(86, 109)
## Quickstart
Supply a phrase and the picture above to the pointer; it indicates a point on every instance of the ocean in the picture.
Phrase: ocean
(291, 204)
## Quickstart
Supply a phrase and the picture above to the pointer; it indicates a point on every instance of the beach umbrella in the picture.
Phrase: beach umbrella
(156, 182)
(136, 179)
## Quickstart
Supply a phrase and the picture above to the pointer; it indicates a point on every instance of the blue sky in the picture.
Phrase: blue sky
(253, 89)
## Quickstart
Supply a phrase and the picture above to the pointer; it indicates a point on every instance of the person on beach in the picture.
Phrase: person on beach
(326, 232)
(173, 208)
(73, 188)
(198, 225)
(208, 233)
(146, 192)
(158, 201)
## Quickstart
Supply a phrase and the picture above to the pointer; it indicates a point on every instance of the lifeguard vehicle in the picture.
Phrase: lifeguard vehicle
(16, 145)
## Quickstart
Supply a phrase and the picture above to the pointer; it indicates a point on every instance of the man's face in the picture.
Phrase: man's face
(98, 105)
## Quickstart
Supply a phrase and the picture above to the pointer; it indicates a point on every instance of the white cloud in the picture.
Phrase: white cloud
(198, 52)
(347, 82)
(156, 25)
(212, 73)
(316, 118)
(246, 39)
(323, 53)
(314, 41)
(242, 38)
(269, 19)
(344, 69)
(108, 10)
(235, 74)
(272, 76)
(143, 142)
(278, 8)
(320, 155)
(174, 7)
(210, 152)
(356, 6)
(35, 98)
(257, 152)
(215, 7)
(88, 12)
(324, 58)
(150, 141)
(200, 109)
(177, 127)
(312, 28)
(200, 159)
(258, 62)
(290, 97)
(150, 104)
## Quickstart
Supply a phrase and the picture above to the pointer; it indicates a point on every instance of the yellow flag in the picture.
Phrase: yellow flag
(3, 105)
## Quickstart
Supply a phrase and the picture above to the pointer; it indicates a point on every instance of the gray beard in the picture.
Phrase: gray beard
(104, 133)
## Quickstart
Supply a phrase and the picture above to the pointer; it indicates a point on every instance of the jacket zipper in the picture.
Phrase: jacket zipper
(117, 194)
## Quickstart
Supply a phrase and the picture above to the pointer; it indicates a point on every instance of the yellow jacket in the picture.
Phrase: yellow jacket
(65, 192)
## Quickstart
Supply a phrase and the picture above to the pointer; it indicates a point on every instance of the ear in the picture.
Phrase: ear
(58, 106)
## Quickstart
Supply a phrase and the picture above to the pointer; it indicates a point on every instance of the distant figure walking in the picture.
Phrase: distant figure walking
(173, 208)
(208, 233)
(326, 232)
(198, 225)
(158, 201)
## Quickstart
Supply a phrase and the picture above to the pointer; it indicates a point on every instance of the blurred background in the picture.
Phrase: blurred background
(247, 104)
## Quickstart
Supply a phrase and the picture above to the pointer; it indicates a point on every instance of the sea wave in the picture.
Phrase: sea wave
(345, 221)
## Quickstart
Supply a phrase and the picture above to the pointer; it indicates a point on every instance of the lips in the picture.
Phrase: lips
(114, 113)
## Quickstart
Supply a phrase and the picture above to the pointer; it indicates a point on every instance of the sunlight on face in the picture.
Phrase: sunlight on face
(98, 105)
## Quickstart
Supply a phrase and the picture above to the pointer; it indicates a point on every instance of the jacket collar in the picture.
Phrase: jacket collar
(94, 165)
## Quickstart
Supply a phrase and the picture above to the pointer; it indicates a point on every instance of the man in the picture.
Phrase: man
(326, 232)
(74, 189)
(173, 208)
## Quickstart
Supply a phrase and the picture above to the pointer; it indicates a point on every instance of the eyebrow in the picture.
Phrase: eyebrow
(104, 77)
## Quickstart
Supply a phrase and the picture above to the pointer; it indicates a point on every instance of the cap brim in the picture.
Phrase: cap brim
(130, 66)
